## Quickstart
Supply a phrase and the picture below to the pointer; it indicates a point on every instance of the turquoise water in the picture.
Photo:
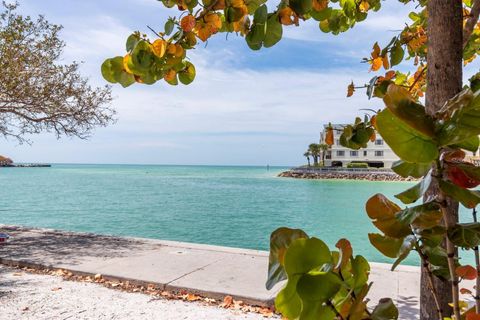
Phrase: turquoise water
(229, 206)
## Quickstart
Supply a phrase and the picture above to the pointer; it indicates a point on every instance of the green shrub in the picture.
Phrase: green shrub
(363, 165)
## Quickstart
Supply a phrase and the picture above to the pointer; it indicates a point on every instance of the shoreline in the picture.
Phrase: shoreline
(344, 174)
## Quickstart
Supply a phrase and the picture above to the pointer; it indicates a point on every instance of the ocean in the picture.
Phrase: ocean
(219, 205)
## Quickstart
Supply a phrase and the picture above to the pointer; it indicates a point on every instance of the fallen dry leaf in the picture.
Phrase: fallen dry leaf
(227, 302)
(56, 289)
(26, 309)
(98, 276)
(192, 297)
(18, 274)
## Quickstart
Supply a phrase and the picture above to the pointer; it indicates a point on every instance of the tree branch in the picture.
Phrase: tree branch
(471, 21)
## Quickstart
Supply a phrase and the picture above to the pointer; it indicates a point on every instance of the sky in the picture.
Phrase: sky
(244, 108)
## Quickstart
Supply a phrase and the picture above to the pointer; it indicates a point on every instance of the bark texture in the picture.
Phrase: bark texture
(444, 80)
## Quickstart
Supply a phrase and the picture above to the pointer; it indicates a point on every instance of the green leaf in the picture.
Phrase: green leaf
(432, 237)
(360, 271)
(396, 54)
(385, 310)
(424, 216)
(414, 193)
(132, 41)
(143, 57)
(113, 71)
(465, 235)
(169, 25)
(405, 142)
(274, 31)
(463, 120)
(408, 169)
(301, 7)
(467, 198)
(382, 211)
(399, 101)
(260, 16)
(304, 255)
(280, 240)
(471, 144)
(321, 15)
(314, 290)
(407, 246)
(256, 36)
(187, 75)
(388, 246)
(288, 302)
(252, 5)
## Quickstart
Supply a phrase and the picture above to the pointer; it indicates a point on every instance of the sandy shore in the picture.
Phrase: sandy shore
(34, 296)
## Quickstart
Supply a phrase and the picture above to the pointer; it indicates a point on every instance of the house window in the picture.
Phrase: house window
(379, 142)
(353, 153)
(340, 153)
(337, 142)
(378, 153)
(365, 153)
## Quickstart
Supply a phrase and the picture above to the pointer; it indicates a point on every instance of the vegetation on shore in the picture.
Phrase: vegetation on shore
(37, 92)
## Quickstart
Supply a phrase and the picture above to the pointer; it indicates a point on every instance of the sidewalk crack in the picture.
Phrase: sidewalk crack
(195, 270)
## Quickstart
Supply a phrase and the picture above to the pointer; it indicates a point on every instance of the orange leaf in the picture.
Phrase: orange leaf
(473, 316)
(386, 64)
(376, 50)
(466, 272)
(329, 136)
(188, 23)
(346, 251)
(377, 63)
(159, 47)
(350, 89)
(227, 302)
(465, 291)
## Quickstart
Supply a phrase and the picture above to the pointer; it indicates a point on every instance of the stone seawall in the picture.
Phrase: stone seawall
(344, 175)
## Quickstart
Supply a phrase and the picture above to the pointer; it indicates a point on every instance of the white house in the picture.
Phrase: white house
(377, 154)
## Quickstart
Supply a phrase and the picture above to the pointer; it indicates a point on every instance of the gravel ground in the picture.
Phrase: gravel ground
(32, 296)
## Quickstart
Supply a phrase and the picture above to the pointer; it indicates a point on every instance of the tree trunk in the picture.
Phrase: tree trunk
(444, 80)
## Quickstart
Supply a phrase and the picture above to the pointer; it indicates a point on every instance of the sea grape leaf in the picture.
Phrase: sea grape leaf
(280, 240)
(388, 246)
(274, 31)
(382, 211)
(467, 198)
(345, 252)
(302, 256)
(424, 216)
(471, 144)
(385, 310)
(399, 101)
(315, 289)
(360, 271)
(463, 124)
(465, 235)
(408, 169)
(407, 143)
(414, 193)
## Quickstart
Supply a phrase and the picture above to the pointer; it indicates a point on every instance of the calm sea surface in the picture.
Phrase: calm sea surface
(229, 206)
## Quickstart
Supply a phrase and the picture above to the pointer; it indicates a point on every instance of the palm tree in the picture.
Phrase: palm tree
(324, 148)
(307, 155)
(314, 149)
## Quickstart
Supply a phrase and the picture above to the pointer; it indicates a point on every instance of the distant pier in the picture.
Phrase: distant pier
(26, 165)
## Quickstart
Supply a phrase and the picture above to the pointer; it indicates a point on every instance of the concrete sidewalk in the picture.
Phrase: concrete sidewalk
(211, 271)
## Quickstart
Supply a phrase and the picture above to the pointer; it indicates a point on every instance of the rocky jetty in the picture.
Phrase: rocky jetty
(347, 174)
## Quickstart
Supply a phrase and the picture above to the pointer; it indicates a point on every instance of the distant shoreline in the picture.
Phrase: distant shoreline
(26, 165)
(343, 174)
